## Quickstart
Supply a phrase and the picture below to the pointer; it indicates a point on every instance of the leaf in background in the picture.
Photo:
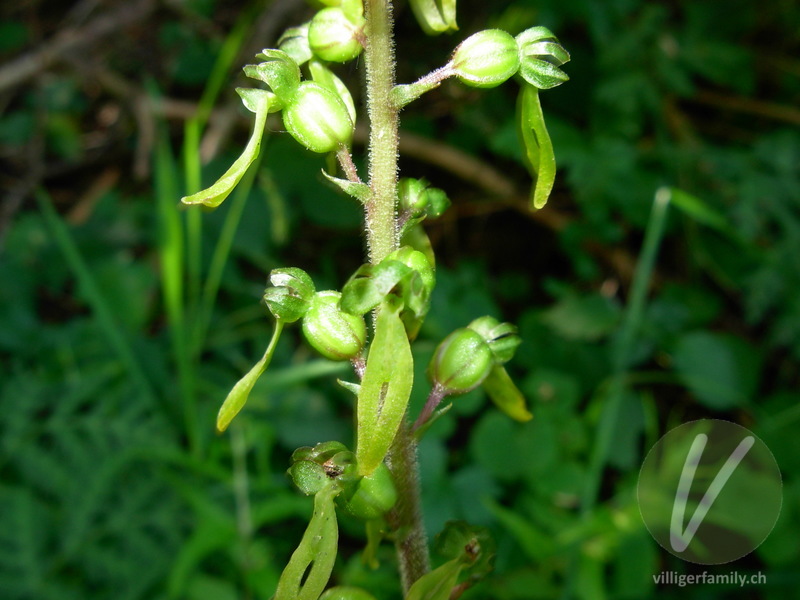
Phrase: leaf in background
(538, 147)
(588, 318)
(701, 212)
(722, 371)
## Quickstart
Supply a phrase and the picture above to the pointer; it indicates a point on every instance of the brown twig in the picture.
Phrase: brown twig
(751, 106)
(68, 40)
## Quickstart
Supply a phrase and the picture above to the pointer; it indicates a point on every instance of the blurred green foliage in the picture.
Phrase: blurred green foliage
(111, 485)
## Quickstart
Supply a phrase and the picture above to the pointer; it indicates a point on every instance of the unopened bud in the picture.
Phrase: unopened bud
(346, 593)
(290, 296)
(335, 334)
(461, 362)
(334, 37)
(372, 495)
(318, 118)
(486, 59)
(420, 199)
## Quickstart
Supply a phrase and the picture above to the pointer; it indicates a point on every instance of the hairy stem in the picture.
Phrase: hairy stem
(383, 141)
(406, 517)
(382, 239)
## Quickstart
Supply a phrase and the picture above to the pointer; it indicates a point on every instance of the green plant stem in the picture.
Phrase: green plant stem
(405, 518)
(382, 239)
(383, 141)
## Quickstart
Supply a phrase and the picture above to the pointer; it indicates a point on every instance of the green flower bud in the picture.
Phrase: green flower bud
(319, 453)
(346, 593)
(314, 468)
(334, 37)
(461, 362)
(309, 477)
(318, 118)
(501, 337)
(290, 297)
(371, 496)
(435, 16)
(486, 59)
(335, 334)
(420, 200)
(540, 56)
(417, 261)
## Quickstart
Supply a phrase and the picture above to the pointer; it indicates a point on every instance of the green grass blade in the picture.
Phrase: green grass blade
(171, 253)
(94, 296)
(221, 253)
(623, 349)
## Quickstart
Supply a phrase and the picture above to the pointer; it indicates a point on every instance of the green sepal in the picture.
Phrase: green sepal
(356, 189)
(415, 290)
(538, 147)
(308, 476)
(214, 195)
(346, 593)
(310, 566)
(237, 397)
(500, 388)
(252, 96)
(290, 294)
(405, 274)
(435, 16)
(279, 72)
(294, 42)
(540, 55)
(370, 285)
(541, 74)
(501, 337)
(328, 79)
(319, 453)
(385, 389)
